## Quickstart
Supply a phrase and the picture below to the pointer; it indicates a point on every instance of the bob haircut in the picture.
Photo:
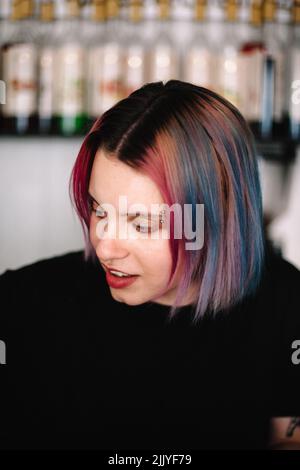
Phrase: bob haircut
(198, 149)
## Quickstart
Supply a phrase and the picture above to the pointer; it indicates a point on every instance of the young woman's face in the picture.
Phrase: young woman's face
(148, 258)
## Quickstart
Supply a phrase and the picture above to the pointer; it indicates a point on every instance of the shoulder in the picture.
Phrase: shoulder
(276, 305)
(269, 320)
(49, 305)
(55, 264)
(283, 313)
(54, 282)
(280, 279)
(47, 272)
(276, 264)
(276, 300)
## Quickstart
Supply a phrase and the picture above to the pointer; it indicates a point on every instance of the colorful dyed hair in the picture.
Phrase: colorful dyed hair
(198, 149)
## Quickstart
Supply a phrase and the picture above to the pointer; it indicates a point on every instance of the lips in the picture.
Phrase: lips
(107, 268)
(119, 282)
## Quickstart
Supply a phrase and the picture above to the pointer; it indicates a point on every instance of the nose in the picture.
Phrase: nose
(109, 244)
(108, 249)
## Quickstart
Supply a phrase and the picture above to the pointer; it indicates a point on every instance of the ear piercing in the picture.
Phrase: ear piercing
(162, 216)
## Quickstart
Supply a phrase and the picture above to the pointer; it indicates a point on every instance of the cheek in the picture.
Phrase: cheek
(153, 256)
(156, 258)
(92, 232)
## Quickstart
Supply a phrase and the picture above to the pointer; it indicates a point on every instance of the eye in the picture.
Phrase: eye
(143, 228)
(100, 213)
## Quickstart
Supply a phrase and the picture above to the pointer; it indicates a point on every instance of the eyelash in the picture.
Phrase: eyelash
(143, 228)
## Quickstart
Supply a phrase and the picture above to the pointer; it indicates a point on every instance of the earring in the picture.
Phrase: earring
(162, 217)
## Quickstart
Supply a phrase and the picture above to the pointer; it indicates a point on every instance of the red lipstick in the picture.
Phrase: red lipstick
(119, 282)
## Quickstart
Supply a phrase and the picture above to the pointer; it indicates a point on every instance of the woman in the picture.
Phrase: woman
(178, 327)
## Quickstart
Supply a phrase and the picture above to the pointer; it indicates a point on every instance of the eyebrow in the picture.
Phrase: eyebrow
(131, 214)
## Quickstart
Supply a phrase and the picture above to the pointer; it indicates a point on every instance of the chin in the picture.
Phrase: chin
(124, 301)
(134, 302)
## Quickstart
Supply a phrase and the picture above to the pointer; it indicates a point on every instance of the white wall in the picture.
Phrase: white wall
(37, 220)
(281, 195)
(36, 217)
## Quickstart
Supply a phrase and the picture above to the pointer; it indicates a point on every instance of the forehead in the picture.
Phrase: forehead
(111, 178)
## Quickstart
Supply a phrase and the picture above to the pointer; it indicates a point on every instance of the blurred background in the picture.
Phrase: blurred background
(64, 62)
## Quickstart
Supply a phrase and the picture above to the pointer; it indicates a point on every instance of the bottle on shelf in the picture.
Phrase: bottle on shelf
(228, 82)
(19, 72)
(96, 42)
(70, 66)
(5, 24)
(85, 14)
(135, 49)
(271, 126)
(112, 83)
(199, 59)
(285, 32)
(5, 9)
(294, 101)
(251, 67)
(5, 15)
(46, 68)
(163, 58)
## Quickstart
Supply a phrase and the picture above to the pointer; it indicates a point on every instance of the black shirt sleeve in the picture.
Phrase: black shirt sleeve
(6, 306)
(285, 397)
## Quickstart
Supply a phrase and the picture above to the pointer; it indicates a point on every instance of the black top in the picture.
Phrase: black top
(85, 371)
